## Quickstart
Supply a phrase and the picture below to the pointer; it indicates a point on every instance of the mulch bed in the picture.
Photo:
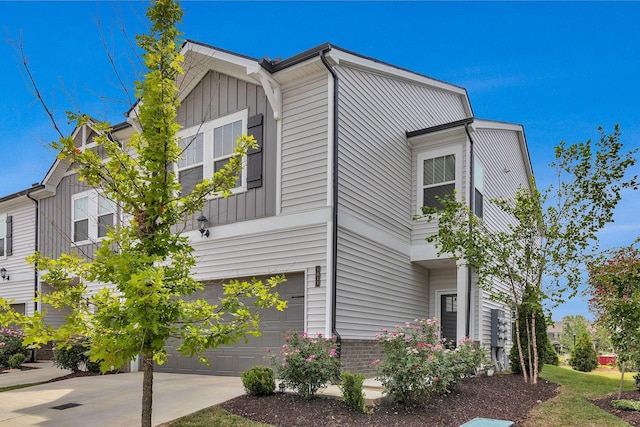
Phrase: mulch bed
(504, 397)
(631, 417)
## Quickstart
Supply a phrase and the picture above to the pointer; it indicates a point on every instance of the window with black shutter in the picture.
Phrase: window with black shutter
(254, 155)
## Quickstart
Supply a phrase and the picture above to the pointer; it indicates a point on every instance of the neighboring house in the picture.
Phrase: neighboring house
(554, 331)
(350, 149)
(18, 239)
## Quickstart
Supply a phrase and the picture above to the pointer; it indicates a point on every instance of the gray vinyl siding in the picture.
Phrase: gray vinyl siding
(55, 221)
(20, 285)
(304, 144)
(375, 173)
(376, 287)
(271, 253)
(439, 280)
(218, 95)
(498, 150)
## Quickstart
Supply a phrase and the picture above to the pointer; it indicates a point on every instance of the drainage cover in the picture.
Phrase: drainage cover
(66, 406)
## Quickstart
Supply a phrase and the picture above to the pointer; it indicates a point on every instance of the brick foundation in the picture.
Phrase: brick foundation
(356, 356)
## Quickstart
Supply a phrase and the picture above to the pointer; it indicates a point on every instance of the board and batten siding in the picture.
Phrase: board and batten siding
(218, 95)
(375, 112)
(20, 286)
(376, 287)
(305, 136)
(270, 253)
(55, 221)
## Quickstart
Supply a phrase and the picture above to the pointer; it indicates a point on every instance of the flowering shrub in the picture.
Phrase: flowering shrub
(10, 344)
(417, 365)
(308, 363)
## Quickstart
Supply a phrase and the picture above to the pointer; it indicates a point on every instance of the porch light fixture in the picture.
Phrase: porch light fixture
(202, 225)
(3, 274)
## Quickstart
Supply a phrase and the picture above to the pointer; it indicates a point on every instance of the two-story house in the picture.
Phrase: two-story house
(19, 239)
(350, 149)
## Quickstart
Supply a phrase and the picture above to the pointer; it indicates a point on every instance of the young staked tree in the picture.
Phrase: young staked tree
(615, 286)
(145, 261)
(542, 251)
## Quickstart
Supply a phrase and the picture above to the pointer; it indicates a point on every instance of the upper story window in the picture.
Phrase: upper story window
(92, 216)
(438, 179)
(3, 236)
(207, 148)
(478, 183)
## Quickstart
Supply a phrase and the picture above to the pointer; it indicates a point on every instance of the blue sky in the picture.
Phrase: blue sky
(559, 69)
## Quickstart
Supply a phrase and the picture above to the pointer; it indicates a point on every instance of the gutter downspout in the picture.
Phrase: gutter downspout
(334, 250)
(35, 266)
(472, 203)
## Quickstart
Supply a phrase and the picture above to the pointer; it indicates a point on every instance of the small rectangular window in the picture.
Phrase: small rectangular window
(224, 142)
(3, 236)
(438, 180)
(81, 219)
(478, 183)
(190, 164)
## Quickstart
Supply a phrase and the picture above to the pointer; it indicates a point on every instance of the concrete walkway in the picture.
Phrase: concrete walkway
(109, 400)
(115, 400)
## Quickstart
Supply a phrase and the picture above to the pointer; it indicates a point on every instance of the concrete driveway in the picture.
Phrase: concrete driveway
(111, 400)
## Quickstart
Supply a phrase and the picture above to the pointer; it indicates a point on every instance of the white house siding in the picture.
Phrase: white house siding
(305, 133)
(20, 285)
(500, 153)
(377, 287)
(281, 251)
(375, 112)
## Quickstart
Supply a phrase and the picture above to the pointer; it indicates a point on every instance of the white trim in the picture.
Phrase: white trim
(430, 154)
(3, 220)
(375, 234)
(262, 225)
(208, 159)
(93, 215)
(278, 167)
(330, 141)
(339, 55)
(329, 281)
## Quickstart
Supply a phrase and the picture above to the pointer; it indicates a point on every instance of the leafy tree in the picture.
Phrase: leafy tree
(546, 353)
(542, 250)
(583, 355)
(615, 286)
(573, 327)
(146, 262)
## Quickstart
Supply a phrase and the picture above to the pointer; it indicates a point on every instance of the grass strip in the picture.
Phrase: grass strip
(571, 407)
(213, 417)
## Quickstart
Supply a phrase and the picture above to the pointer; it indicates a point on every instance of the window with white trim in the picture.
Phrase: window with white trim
(207, 148)
(92, 215)
(3, 235)
(478, 183)
(438, 179)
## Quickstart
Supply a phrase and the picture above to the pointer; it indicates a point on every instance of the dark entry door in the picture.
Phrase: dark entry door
(449, 316)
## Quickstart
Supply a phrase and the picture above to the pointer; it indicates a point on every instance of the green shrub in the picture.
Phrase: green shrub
(629, 405)
(352, 393)
(308, 364)
(583, 356)
(417, 365)
(10, 345)
(73, 356)
(551, 356)
(259, 381)
(16, 360)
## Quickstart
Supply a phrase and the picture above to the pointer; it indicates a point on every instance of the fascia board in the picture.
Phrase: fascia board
(341, 56)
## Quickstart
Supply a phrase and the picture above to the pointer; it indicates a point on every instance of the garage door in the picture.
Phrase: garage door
(235, 359)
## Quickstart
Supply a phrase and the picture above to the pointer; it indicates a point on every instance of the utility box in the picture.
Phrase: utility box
(499, 328)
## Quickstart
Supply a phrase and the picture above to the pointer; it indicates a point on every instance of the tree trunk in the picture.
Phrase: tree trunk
(621, 382)
(147, 389)
(519, 344)
(530, 358)
(534, 373)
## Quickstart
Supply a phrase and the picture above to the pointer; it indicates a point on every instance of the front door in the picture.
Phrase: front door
(449, 317)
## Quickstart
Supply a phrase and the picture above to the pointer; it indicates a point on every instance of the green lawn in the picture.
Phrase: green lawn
(213, 417)
(571, 407)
